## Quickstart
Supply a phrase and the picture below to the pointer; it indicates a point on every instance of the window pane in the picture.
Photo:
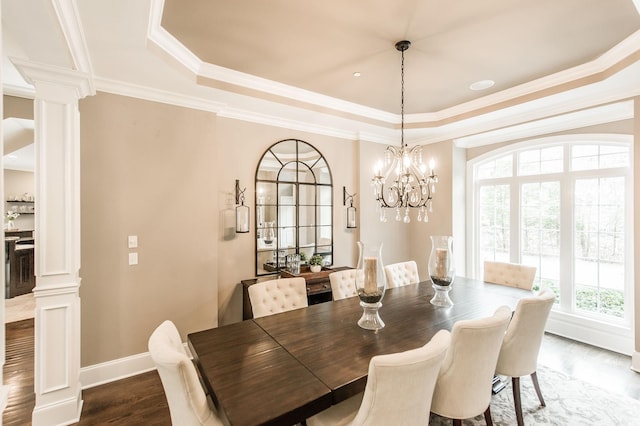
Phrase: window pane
(599, 245)
(540, 232)
(494, 222)
(501, 167)
(592, 157)
(542, 160)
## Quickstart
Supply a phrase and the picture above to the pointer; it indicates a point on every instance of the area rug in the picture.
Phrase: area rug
(19, 308)
(570, 402)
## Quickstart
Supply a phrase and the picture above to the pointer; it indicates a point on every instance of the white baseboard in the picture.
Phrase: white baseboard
(121, 368)
(635, 362)
(110, 371)
(596, 333)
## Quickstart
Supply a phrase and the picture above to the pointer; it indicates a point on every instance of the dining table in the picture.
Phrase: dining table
(283, 368)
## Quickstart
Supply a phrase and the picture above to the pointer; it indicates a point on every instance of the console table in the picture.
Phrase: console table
(318, 286)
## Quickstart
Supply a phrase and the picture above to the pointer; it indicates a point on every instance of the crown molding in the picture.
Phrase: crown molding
(71, 26)
(157, 95)
(589, 117)
(162, 39)
(27, 92)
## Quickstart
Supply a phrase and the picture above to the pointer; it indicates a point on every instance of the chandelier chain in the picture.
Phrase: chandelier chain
(402, 100)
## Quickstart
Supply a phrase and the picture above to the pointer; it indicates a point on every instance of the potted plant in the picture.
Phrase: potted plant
(316, 262)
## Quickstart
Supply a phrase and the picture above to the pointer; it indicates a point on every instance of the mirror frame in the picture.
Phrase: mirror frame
(302, 162)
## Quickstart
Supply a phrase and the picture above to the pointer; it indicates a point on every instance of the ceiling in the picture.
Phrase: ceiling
(317, 46)
(291, 63)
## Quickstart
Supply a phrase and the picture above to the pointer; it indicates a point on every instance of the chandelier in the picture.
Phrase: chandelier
(402, 182)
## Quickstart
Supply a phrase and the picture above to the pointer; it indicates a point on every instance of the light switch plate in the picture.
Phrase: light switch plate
(132, 241)
(133, 258)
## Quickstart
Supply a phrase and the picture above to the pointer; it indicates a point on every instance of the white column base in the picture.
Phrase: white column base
(635, 362)
(4, 397)
(62, 412)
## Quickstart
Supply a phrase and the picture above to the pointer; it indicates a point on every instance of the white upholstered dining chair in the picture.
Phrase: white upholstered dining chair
(463, 388)
(402, 273)
(279, 295)
(398, 390)
(343, 284)
(188, 403)
(521, 345)
(509, 274)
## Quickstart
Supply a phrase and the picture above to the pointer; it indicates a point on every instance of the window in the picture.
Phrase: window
(563, 207)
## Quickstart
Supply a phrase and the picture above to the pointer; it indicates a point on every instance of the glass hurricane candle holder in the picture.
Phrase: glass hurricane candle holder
(371, 283)
(441, 269)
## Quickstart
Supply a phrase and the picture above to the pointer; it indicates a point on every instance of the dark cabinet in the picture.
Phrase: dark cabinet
(19, 267)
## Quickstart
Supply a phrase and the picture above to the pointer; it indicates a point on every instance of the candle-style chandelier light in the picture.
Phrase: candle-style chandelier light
(402, 181)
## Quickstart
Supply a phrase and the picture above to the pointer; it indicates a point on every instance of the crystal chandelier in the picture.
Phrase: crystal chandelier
(402, 181)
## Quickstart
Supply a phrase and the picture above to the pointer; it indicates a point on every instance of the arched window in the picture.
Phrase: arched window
(563, 205)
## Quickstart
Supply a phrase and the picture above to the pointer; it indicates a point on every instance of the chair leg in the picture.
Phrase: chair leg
(487, 416)
(534, 379)
(515, 385)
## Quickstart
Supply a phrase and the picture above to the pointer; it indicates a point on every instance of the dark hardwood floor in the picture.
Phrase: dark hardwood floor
(140, 400)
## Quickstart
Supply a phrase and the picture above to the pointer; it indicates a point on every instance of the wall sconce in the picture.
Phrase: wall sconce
(351, 211)
(242, 211)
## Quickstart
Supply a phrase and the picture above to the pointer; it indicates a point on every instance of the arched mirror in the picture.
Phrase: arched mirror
(294, 205)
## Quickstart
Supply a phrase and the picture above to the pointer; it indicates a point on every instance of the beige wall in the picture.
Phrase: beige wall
(241, 147)
(441, 219)
(395, 236)
(17, 107)
(16, 183)
(147, 169)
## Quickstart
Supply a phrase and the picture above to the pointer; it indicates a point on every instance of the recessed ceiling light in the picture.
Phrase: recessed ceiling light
(357, 74)
(482, 84)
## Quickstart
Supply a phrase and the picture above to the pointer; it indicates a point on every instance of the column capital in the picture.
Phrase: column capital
(43, 76)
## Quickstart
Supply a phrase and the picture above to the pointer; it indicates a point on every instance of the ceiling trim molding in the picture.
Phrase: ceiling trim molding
(157, 95)
(577, 119)
(606, 61)
(270, 120)
(162, 39)
(27, 92)
(358, 130)
(247, 81)
(71, 26)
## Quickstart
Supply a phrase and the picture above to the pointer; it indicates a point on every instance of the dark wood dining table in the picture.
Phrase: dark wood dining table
(284, 368)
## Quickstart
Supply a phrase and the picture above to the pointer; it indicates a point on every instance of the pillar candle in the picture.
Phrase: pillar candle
(370, 275)
(441, 263)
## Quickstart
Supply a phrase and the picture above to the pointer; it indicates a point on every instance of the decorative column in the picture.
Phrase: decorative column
(635, 357)
(57, 235)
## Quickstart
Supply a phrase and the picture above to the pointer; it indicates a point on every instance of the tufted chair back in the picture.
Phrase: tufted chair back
(186, 398)
(403, 273)
(398, 391)
(521, 344)
(463, 389)
(509, 274)
(343, 284)
(279, 295)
